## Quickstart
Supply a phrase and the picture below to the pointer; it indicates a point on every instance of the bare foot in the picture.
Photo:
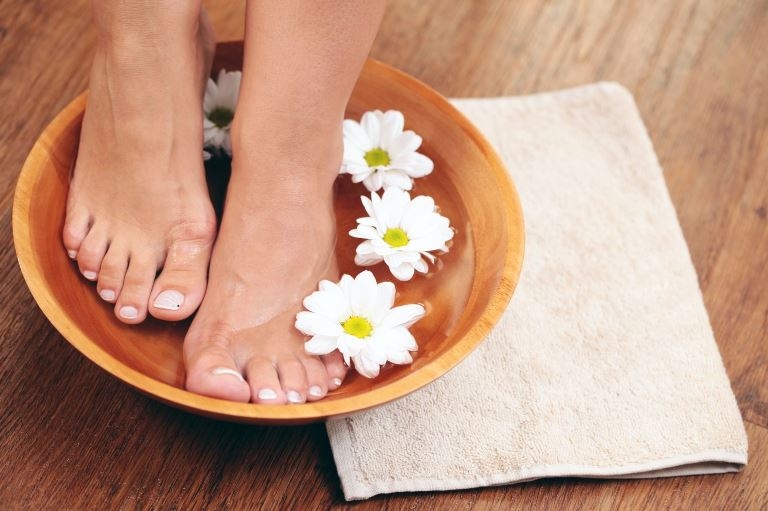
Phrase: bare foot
(138, 200)
(275, 244)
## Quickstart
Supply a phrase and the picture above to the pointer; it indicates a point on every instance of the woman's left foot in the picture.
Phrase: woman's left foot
(276, 242)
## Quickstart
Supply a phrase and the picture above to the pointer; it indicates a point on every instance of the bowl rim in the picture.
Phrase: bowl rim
(269, 414)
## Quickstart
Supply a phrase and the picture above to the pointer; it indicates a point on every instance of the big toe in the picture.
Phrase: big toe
(211, 371)
(180, 288)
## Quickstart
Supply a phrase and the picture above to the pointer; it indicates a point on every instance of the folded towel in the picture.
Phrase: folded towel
(604, 364)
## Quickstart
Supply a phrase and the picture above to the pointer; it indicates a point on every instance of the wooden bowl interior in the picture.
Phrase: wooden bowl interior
(464, 294)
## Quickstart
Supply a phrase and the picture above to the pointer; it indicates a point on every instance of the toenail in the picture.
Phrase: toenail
(294, 397)
(315, 391)
(107, 295)
(170, 300)
(337, 382)
(226, 370)
(267, 394)
(90, 275)
(129, 312)
(72, 254)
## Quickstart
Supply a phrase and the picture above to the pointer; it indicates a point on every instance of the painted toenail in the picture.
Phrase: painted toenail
(72, 254)
(170, 300)
(267, 394)
(337, 382)
(315, 391)
(129, 312)
(107, 295)
(226, 370)
(90, 275)
(294, 397)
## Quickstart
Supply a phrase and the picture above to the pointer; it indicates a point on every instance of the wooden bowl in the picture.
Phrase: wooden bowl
(464, 295)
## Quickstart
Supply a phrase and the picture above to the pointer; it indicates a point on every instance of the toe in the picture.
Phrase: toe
(317, 378)
(91, 253)
(131, 305)
(112, 273)
(180, 287)
(264, 382)
(76, 227)
(293, 379)
(335, 368)
(211, 370)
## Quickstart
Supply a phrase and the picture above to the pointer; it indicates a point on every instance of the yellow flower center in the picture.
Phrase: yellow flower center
(221, 116)
(396, 237)
(358, 326)
(376, 157)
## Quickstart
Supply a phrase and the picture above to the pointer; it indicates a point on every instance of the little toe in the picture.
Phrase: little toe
(335, 368)
(131, 305)
(180, 287)
(91, 253)
(76, 227)
(317, 378)
(264, 382)
(112, 273)
(211, 371)
(293, 379)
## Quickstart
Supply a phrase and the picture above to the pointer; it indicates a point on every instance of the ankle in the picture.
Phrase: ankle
(144, 24)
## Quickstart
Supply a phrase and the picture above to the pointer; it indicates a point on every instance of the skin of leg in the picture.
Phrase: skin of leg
(277, 236)
(138, 200)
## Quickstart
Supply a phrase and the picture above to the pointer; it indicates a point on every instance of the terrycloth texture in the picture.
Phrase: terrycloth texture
(604, 364)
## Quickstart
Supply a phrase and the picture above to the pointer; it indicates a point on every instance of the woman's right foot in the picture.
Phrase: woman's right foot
(138, 200)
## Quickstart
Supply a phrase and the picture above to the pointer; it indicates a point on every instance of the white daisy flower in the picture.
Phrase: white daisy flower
(378, 153)
(356, 317)
(206, 155)
(401, 232)
(219, 107)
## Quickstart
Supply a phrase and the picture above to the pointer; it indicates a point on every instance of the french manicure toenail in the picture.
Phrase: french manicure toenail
(129, 312)
(267, 394)
(107, 295)
(170, 300)
(72, 254)
(337, 381)
(315, 391)
(226, 370)
(90, 275)
(294, 397)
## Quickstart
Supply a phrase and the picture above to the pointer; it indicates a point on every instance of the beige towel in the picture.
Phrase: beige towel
(604, 364)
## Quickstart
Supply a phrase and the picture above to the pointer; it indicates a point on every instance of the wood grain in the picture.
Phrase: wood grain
(73, 437)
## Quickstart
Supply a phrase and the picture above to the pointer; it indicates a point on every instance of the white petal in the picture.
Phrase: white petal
(404, 144)
(363, 294)
(350, 346)
(209, 100)
(402, 272)
(374, 181)
(400, 357)
(397, 179)
(355, 134)
(385, 299)
(367, 260)
(371, 123)
(414, 164)
(404, 315)
(320, 345)
(401, 257)
(421, 266)
(365, 232)
(391, 126)
(366, 367)
(395, 202)
(330, 304)
(310, 323)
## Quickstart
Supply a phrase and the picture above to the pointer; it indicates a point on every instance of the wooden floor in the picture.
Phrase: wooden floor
(73, 437)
